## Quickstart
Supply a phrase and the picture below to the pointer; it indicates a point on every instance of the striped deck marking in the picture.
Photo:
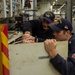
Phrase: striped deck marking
(4, 49)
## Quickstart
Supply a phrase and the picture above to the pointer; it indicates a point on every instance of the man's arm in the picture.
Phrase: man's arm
(63, 66)
(30, 26)
(27, 27)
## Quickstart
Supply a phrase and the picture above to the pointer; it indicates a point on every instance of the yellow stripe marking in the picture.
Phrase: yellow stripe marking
(5, 61)
(0, 52)
(1, 26)
(4, 39)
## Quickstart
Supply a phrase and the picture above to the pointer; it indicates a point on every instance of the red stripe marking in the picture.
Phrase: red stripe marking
(5, 71)
(5, 30)
(4, 50)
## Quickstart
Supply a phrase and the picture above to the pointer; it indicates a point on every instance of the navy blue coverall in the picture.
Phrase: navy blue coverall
(63, 66)
(36, 29)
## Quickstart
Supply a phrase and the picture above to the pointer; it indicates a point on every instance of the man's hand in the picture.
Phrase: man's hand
(50, 46)
(27, 38)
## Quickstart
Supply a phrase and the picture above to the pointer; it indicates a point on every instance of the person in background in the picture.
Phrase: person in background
(62, 32)
(38, 30)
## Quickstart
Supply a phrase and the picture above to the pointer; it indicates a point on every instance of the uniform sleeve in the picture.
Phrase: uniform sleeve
(63, 66)
(27, 27)
(30, 25)
(41, 40)
(60, 64)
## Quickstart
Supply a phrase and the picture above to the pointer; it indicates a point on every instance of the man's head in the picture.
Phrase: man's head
(47, 19)
(62, 29)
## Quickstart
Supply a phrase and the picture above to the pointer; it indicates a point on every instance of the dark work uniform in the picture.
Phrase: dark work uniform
(36, 29)
(63, 66)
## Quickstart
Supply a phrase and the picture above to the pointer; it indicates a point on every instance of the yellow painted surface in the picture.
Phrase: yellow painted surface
(0, 56)
(5, 60)
(4, 39)
(1, 26)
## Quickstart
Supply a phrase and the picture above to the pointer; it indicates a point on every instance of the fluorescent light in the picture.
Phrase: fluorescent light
(53, 3)
(73, 6)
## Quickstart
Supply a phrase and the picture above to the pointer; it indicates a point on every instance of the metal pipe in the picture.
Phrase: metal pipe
(69, 10)
(34, 8)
